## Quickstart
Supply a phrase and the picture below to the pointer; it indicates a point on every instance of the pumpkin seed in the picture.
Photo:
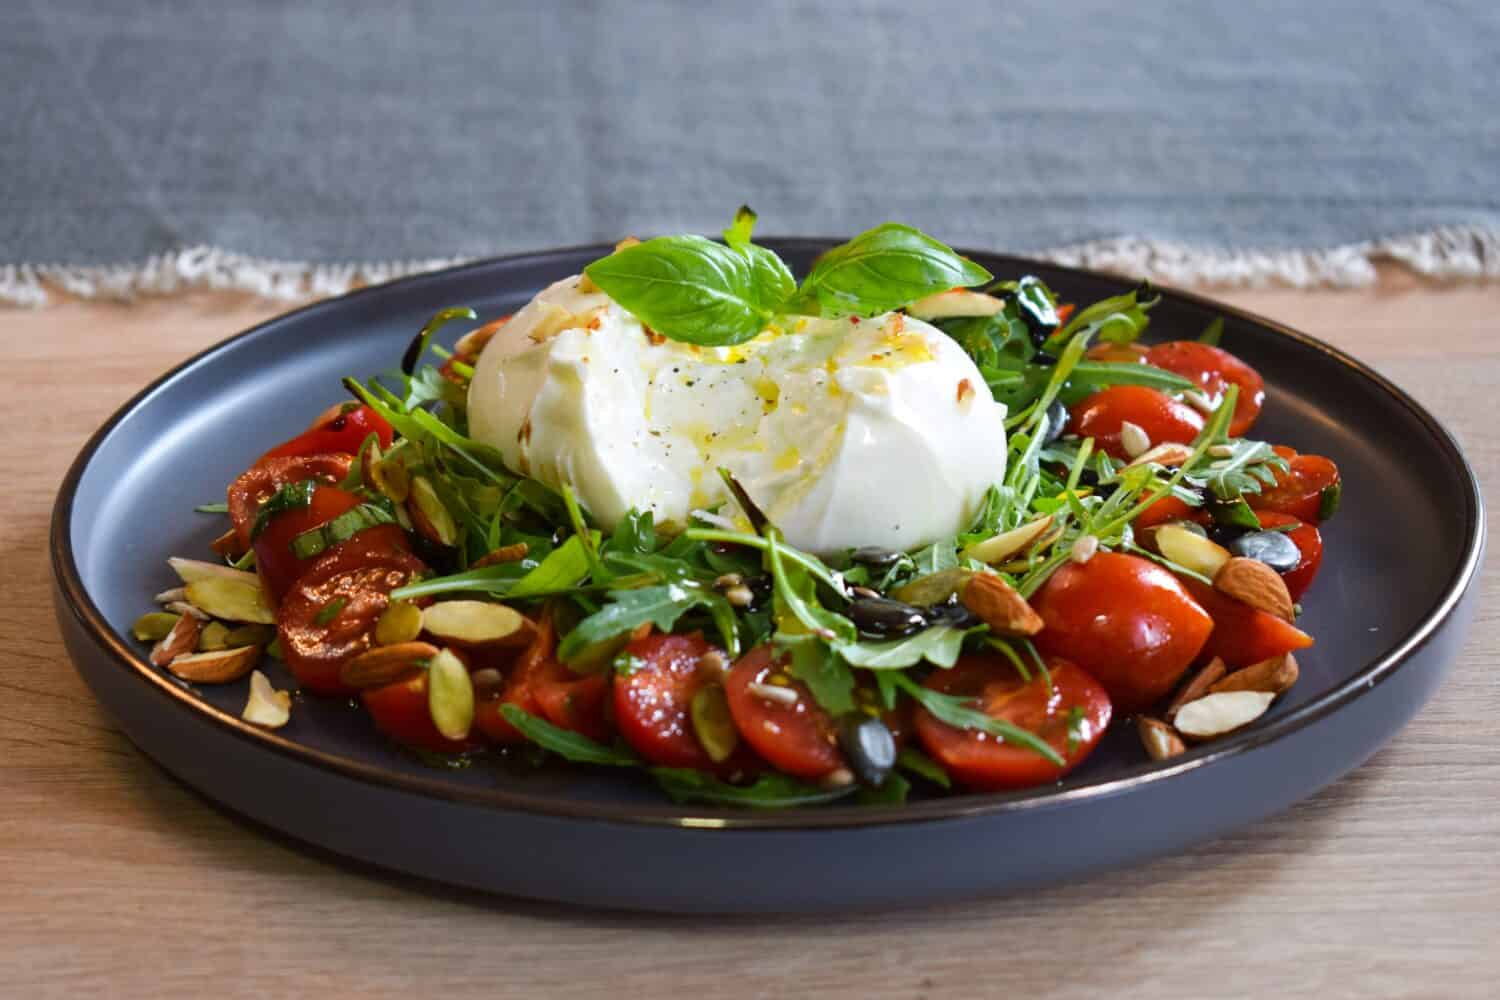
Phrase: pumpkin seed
(153, 626)
(450, 695)
(249, 635)
(476, 623)
(194, 570)
(213, 637)
(427, 511)
(868, 746)
(934, 588)
(712, 723)
(231, 599)
(401, 621)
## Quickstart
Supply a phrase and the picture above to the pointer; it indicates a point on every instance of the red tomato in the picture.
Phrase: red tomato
(987, 763)
(1162, 418)
(1169, 508)
(279, 567)
(1125, 620)
(1298, 491)
(336, 430)
(652, 702)
(800, 738)
(1118, 353)
(329, 614)
(576, 702)
(400, 712)
(256, 485)
(520, 686)
(1308, 540)
(1243, 635)
(1214, 370)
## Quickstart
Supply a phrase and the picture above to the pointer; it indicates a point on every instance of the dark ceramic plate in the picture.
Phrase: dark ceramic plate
(1389, 612)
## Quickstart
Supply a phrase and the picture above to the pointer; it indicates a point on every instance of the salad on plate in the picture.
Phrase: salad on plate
(898, 525)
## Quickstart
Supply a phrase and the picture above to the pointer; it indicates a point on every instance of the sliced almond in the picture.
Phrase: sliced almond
(171, 595)
(193, 570)
(1134, 439)
(228, 545)
(431, 518)
(184, 608)
(1169, 453)
(472, 343)
(382, 665)
(1008, 543)
(476, 623)
(388, 475)
(1160, 740)
(401, 621)
(504, 554)
(1190, 549)
(1197, 686)
(450, 695)
(183, 638)
(1252, 582)
(266, 706)
(232, 600)
(1000, 606)
(955, 303)
(934, 588)
(1276, 675)
(216, 667)
(1217, 714)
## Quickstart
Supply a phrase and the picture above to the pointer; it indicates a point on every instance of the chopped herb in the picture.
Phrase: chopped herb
(328, 612)
(212, 508)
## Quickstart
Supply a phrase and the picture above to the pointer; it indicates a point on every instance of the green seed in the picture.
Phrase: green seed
(450, 695)
(401, 621)
(214, 636)
(153, 626)
(249, 635)
(712, 722)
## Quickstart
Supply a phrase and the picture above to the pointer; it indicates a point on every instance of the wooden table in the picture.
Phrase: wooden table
(116, 880)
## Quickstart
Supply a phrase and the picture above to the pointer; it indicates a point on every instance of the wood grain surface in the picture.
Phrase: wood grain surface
(115, 880)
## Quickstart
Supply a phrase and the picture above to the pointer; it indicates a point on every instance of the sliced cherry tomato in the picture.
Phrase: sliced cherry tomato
(520, 686)
(400, 712)
(1118, 353)
(1162, 418)
(1214, 370)
(279, 567)
(1308, 541)
(653, 701)
(1243, 635)
(1169, 508)
(329, 614)
(1125, 620)
(1070, 715)
(1299, 491)
(577, 702)
(799, 738)
(343, 428)
(256, 485)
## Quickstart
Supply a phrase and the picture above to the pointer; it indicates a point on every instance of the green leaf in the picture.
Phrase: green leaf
(630, 609)
(795, 594)
(882, 269)
(959, 713)
(1236, 513)
(315, 541)
(770, 791)
(938, 645)
(934, 558)
(827, 678)
(1329, 500)
(564, 742)
(212, 508)
(290, 496)
(1119, 319)
(440, 319)
(1088, 376)
(737, 236)
(918, 763)
(1212, 332)
(563, 568)
(695, 290)
(892, 792)
(636, 533)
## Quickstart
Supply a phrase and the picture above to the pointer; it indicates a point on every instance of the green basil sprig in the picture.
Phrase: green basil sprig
(885, 268)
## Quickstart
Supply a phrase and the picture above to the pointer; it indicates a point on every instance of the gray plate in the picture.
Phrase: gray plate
(1389, 611)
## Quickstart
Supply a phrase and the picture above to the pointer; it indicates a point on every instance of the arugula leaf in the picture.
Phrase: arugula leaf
(827, 678)
(1212, 332)
(694, 290)
(1120, 319)
(959, 712)
(628, 610)
(934, 559)
(564, 742)
(419, 344)
(770, 791)
(794, 591)
(939, 645)
(635, 534)
(892, 792)
(212, 508)
(918, 763)
(563, 568)
(882, 269)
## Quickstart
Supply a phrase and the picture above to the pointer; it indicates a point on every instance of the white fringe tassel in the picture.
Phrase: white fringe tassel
(1447, 252)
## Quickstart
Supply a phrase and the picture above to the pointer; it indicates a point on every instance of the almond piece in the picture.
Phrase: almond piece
(1134, 439)
(1252, 582)
(1008, 543)
(216, 667)
(504, 554)
(472, 343)
(1168, 453)
(1160, 740)
(382, 665)
(183, 638)
(1191, 550)
(1000, 606)
(1275, 675)
(1199, 685)
(266, 706)
(1217, 714)
(954, 304)
(476, 623)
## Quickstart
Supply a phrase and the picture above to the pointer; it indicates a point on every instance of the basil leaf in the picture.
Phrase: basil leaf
(695, 290)
(882, 269)
(939, 644)
(738, 233)
(770, 791)
(564, 742)
(290, 497)
(316, 541)
(628, 610)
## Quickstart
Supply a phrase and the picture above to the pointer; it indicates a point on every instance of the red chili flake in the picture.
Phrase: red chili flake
(965, 390)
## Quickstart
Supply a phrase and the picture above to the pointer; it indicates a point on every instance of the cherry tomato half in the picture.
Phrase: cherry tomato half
(577, 702)
(520, 686)
(1126, 621)
(279, 567)
(799, 738)
(987, 763)
(1299, 491)
(1162, 418)
(255, 486)
(343, 428)
(329, 614)
(400, 712)
(1243, 635)
(1169, 508)
(1308, 541)
(1214, 370)
(653, 701)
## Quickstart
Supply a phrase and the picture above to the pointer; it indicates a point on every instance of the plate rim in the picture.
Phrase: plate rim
(75, 597)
